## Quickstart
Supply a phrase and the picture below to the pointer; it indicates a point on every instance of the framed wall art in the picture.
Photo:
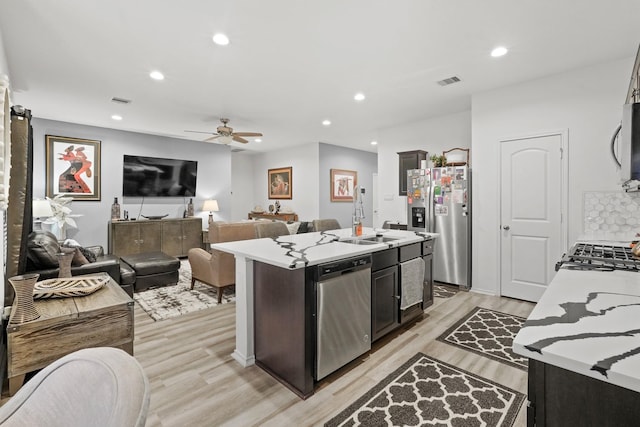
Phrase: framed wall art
(343, 184)
(73, 167)
(280, 183)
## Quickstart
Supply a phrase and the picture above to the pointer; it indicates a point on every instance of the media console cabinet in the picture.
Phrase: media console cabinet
(174, 236)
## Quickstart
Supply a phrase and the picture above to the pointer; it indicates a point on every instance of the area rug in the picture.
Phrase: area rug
(444, 291)
(428, 392)
(165, 302)
(488, 333)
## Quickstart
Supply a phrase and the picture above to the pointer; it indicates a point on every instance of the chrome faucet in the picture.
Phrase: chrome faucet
(358, 211)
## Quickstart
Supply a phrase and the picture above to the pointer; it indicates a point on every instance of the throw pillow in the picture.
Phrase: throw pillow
(85, 253)
(303, 227)
(42, 249)
(79, 258)
(293, 227)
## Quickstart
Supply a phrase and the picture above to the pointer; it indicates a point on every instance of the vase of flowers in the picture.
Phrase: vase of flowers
(62, 217)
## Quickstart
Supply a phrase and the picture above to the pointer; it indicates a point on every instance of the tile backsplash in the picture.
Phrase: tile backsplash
(611, 211)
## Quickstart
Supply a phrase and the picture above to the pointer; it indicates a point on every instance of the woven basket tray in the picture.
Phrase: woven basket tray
(69, 287)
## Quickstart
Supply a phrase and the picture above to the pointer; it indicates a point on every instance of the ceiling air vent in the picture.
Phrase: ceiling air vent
(449, 81)
(120, 100)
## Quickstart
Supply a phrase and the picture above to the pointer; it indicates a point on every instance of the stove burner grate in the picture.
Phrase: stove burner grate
(589, 256)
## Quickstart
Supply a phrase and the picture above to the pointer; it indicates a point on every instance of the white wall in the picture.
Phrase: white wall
(214, 175)
(587, 102)
(433, 135)
(242, 177)
(364, 163)
(4, 64)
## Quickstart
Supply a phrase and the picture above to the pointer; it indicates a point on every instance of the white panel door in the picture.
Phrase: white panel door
(532, 191)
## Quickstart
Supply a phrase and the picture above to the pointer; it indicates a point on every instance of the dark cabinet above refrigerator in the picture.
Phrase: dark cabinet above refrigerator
(408, 160)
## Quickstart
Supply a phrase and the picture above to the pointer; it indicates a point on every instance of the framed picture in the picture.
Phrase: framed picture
(343, 183)
(73, 167)
(280, 183)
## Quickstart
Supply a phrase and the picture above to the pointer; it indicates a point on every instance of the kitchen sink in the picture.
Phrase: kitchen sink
(368, 240)
(380, 239)
(357, 241)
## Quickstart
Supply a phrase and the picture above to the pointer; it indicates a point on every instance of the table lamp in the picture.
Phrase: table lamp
(41, 209)
(211, 206)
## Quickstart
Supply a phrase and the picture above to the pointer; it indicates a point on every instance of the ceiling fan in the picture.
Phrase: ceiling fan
(226, 135)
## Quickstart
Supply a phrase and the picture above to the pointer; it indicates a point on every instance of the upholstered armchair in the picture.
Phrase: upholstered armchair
(271, 229)
(100, 386)
(325, 224)
(218, 268)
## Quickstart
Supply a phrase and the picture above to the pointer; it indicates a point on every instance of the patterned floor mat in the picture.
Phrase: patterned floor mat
(427, 392)
(444, 291)
(488, 333)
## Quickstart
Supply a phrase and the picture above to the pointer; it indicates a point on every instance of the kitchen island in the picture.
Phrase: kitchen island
(583, 342)
(288, 258)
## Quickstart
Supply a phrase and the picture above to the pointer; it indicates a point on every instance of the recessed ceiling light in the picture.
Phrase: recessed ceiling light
(258, 140)
(499, 51)
(374, 142)
(359, 96)
(156, 75)
(220, 39)
(326, 122)
(116, 117)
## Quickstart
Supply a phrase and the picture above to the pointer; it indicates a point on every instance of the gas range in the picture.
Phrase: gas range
(600, 257)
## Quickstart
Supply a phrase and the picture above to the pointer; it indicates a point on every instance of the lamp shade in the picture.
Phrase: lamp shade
(210, 205)
(41, 209)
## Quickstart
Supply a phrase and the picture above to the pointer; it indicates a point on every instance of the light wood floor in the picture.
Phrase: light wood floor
(195, 382)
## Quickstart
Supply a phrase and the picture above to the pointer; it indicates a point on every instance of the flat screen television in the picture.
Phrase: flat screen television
(157, 177)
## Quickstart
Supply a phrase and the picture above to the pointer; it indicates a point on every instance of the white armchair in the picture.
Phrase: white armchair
(99, 387)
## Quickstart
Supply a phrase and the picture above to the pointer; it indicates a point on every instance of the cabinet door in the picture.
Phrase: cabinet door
(191, 234)
(172, 238)
(384, 302)
(150, 237)
(124, 238)
(408, 160)
(428, 281)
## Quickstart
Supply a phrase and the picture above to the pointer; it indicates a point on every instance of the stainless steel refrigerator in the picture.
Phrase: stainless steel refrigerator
(439, 201)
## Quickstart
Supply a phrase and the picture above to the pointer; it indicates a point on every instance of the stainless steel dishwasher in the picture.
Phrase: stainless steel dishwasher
(343, 313)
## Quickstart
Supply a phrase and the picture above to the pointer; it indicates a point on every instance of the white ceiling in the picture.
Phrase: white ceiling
(293, 63)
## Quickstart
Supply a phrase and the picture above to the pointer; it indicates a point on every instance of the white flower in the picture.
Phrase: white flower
(61, 212)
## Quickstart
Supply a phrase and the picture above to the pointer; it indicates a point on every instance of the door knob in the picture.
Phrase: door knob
(506, 227)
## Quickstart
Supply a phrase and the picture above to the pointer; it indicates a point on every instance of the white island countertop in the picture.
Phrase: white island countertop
(588, 322)
(307, 249)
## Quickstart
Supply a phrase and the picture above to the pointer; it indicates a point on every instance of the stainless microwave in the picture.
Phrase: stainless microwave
(630, 142)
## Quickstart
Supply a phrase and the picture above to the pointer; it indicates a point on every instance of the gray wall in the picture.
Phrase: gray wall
(363, 162)
(214, 175)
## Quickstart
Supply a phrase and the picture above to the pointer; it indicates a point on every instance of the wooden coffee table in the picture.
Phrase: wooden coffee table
(101, 319)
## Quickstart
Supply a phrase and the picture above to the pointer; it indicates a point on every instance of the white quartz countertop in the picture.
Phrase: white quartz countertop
(301, 250)
(588, 322)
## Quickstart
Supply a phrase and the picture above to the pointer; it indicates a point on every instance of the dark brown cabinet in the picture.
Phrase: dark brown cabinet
(172, 236)
(559, 398)
(384, 302)
(385, 295)
(408, 160)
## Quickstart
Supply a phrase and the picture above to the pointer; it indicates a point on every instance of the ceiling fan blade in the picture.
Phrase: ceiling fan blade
(212, 138)
(248, 134)
(199, 131)
(239, 139)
